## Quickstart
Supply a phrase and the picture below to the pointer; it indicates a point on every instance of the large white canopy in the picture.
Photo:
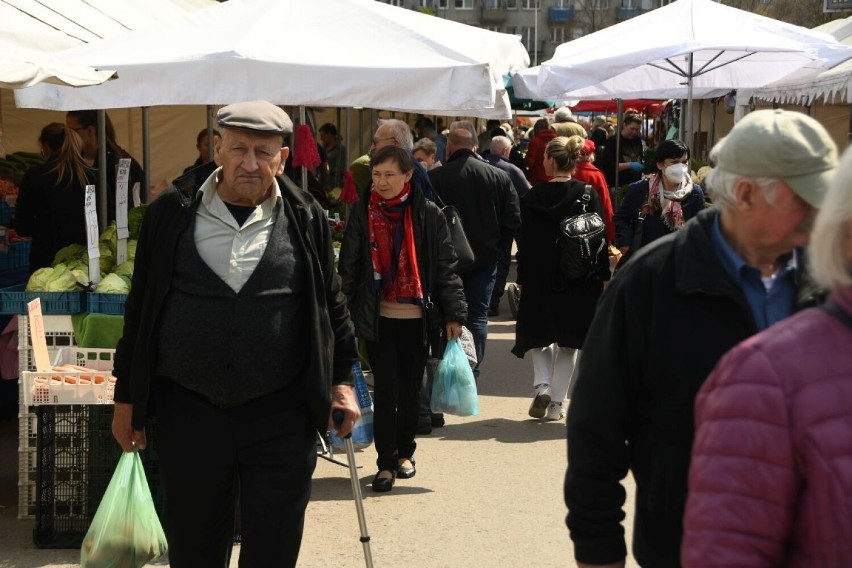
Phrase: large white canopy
(345, 53)
(806, 85)
(701, 44)
(32, 31)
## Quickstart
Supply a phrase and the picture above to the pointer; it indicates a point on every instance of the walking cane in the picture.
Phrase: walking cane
(337, 418)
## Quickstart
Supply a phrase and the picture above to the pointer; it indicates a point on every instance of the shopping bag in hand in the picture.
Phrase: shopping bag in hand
(362, 432)
(454, 389)
(125, 532)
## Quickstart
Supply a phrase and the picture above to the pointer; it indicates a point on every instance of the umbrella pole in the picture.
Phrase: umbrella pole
(210, 132)
(102, 169)
(619, 111)
(688, 126)
(146, 154)
(302, 120)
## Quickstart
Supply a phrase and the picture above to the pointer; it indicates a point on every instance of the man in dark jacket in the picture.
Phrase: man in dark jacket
(625, 163)
(237, 336)
(669, 315)
(490, 211)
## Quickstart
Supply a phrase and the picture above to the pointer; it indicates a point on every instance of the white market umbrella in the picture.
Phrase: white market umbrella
(347, 53)
(688, 45)
(809, 84)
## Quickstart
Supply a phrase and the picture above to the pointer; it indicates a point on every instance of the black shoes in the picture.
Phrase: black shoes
(383, 484)
(437, 419)
(406, 472)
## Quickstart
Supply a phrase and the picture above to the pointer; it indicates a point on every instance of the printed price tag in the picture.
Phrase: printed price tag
(40, 356)
(92, 234)
(121, 198)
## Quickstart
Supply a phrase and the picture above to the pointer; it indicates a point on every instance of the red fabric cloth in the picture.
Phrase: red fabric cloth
(305, 152)
(771, 474)
(392, 247)
(590, 174)
(348, 194)
(535, 156)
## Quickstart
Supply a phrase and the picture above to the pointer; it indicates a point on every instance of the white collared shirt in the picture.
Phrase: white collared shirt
(231, 251)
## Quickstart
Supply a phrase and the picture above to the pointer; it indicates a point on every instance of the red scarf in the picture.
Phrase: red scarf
(392, 248)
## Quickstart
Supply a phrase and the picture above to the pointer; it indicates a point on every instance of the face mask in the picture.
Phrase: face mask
(675, 173)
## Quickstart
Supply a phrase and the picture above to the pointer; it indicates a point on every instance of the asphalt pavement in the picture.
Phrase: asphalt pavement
(488, 490)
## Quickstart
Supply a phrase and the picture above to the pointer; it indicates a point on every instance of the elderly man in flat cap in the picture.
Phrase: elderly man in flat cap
(669, 315)
(238, 341)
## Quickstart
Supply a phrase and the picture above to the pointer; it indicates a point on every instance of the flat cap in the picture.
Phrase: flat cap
(256, 116)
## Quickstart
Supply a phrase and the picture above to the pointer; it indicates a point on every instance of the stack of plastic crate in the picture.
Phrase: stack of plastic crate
(58, 333)
(69, 455)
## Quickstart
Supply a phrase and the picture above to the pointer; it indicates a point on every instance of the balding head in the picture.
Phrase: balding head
(460, 139)
(500, 146)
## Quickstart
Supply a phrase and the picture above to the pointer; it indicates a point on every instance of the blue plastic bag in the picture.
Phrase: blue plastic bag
(362, 432)
(454, 389)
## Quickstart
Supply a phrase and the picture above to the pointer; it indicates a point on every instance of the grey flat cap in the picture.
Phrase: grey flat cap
(257, 116)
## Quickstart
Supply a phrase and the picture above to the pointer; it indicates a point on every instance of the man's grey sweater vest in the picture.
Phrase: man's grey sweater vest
(233, 347)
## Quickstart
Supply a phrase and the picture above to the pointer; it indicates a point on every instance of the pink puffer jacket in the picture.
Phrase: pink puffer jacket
(770, 482)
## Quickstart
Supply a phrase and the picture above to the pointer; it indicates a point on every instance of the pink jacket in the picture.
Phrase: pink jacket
(770, 482)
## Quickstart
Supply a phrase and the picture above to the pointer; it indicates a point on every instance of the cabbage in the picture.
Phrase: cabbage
(109, 238)
(56, 279)
(134, 220)
(113, 284)
(124, 269)
(131, 249)
(107, 258)
(68, 254)
(81, 275)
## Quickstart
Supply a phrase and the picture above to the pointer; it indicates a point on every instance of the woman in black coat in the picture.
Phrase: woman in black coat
(554, 313)
(667, 200)
(397, 264)
(50, 202)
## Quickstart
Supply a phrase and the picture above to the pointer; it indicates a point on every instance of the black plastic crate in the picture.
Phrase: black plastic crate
(76, 457)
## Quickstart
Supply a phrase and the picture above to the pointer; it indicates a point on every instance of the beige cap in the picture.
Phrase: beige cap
(787, 145)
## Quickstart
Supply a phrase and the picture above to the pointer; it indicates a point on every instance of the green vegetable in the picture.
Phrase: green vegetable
(56, 279)
(134, 220)
(113, 284)
(124, 269)
(66, 255)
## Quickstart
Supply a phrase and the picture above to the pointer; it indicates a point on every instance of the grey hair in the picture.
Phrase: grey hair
(500, 144)
(400, 131)
(425, 145)
(722, 187)
(832, 234)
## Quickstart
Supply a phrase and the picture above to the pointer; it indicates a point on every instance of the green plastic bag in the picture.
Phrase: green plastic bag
(126, 532)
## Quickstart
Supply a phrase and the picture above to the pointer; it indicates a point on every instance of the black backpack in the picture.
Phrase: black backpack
(582, 243)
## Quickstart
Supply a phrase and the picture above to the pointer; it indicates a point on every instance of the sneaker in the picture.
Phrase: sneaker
(538, 407)
(554, 411)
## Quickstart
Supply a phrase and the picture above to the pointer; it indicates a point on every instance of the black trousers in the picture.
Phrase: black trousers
(264, 450)
(397, 361)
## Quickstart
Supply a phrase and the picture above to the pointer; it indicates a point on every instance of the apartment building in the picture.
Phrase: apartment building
(542, 24)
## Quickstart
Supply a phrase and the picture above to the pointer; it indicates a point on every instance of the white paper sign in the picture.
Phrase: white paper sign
(121, 231)
(36, 323)
(92, 234)
(137, 197)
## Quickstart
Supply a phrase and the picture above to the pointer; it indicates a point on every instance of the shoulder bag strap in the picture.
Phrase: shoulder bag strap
(837, 312)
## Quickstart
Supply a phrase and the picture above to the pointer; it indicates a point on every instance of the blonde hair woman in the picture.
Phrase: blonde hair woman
(770, 471)
(554, 314)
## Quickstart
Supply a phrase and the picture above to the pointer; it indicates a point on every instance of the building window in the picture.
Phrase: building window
(394, 2)
(557, 35)
(492, 4)
(597, 5)
(463, 4)
(528, 37)
(492, 28)
(577, 33)
(529, 4)
(511, 30)
(512, 4)
(562, 4)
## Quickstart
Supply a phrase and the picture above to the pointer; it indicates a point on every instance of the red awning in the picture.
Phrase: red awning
(649, 107)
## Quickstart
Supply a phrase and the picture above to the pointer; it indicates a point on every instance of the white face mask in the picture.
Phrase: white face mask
(676, 172)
